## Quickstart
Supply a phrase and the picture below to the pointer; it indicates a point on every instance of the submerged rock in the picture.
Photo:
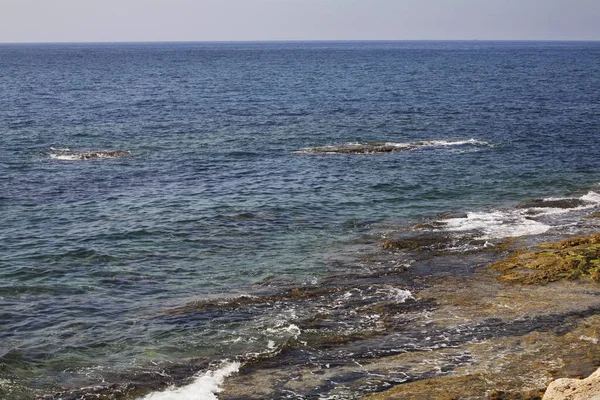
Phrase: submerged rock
(575, 389)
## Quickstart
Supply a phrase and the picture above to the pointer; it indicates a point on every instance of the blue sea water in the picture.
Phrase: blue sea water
(224, 192)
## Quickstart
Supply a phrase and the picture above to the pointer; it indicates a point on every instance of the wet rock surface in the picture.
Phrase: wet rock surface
(478, 338)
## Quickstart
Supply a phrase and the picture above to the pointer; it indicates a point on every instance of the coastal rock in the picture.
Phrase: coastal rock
(70, 155)
(359, 148)
(95, 155)
(574, 258)
(384, 147)
(575, 389)
(555, 203)
(453, 215)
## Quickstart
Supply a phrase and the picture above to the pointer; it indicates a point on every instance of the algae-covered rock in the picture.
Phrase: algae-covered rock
(575, 389)
(568, 259)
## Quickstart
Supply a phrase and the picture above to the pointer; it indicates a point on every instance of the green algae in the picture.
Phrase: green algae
(574, 258)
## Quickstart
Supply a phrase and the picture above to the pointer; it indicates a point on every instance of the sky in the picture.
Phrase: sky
(252, 20)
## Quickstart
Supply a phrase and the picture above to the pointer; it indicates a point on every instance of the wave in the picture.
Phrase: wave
(67, 154)
(204, 387)
(532, 217)
(387, 147)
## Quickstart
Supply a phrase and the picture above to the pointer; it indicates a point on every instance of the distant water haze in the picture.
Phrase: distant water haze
(260, 20)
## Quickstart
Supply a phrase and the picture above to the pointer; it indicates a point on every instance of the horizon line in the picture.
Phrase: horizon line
(297, 41)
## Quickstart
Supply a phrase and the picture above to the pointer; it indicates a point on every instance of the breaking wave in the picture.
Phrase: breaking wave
(532, 217)
(204, 387)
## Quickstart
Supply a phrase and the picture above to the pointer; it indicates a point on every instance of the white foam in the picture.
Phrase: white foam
(398, 145)
(497, 224)
(441, 143)
(398, 295)
(292, 329)
(204, 386)
(591, 197)
(68, 157)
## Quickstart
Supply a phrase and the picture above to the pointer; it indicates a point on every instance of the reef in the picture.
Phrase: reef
(71, 155)
(573, 258)
(95, 155)
(360, 148)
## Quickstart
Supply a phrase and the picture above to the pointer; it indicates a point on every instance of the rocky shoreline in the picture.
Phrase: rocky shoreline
(501, 322)
(555, 283)
(491, 337)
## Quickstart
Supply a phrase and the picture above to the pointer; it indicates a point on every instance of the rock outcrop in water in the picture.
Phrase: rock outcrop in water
(359, 148)
(95, 155)
(384, 147)
(67, 154)
(555, 203)
(575, 389)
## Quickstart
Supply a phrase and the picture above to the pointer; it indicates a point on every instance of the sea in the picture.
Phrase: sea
(174, 214)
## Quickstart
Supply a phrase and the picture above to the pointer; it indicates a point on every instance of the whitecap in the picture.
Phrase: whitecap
(458, 142)
(204, 387)
(497, 224)
(66, 157)
(591, 197)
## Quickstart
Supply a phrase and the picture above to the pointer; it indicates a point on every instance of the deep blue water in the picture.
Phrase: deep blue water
(214, 198)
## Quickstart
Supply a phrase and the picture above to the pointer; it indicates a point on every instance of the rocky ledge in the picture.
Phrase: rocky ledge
(575, 389)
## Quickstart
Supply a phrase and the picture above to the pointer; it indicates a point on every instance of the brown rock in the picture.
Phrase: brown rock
(575, 389)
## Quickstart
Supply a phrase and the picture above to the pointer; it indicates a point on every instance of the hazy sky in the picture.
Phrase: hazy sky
(207, 20)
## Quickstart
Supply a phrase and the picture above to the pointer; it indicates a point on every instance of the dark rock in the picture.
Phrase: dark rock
(559, 203)
(453, 215)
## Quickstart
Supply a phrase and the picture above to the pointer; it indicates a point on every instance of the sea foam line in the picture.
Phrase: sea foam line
(204, 386)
